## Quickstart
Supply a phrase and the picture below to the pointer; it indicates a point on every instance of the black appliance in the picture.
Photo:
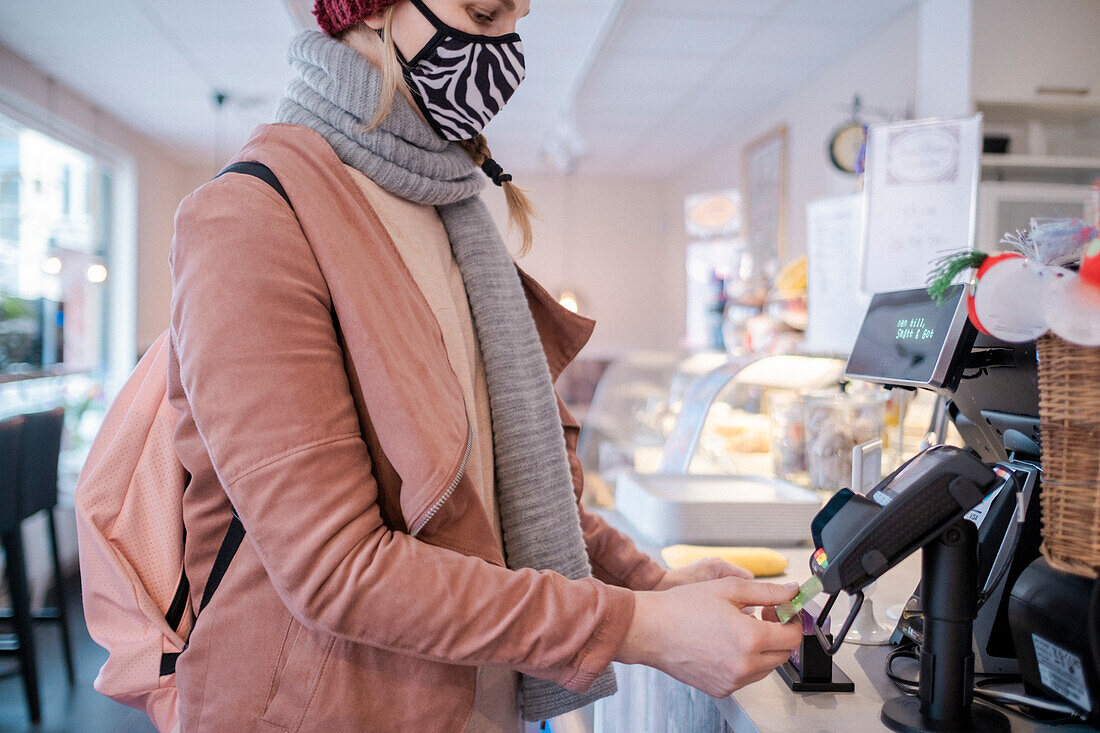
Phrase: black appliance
(1007, 594)
(1055, 620)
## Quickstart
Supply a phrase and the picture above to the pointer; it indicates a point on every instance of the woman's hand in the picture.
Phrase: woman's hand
(709, 568)
(699, 634)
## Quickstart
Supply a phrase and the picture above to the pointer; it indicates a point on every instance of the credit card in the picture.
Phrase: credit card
(806, 593)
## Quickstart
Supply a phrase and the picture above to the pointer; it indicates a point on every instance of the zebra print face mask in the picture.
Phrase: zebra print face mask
(460, 80)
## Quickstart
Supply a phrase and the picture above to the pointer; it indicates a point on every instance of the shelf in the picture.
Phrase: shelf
(1061, 111)
(14, 377)
(1047, 162)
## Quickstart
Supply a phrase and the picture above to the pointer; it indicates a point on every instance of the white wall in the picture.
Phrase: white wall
(944, 59)
(884, 74)
(609, 240)
(619, 242)
(161, 179)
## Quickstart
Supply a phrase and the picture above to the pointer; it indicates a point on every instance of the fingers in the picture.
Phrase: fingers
(755, 593)
(701, 571)
(776, 637)
(774, 659)
(767, 613)
(736, 571)
(763, 673)
(765, 663)
(726, 648)
(714, 568)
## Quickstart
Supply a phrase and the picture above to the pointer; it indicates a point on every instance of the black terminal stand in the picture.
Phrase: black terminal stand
(949, 595)
(812, 669)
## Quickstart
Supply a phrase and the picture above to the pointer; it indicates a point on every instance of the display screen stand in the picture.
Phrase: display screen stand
(949, 593)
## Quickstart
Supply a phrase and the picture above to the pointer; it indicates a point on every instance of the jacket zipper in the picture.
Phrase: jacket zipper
(450, 489)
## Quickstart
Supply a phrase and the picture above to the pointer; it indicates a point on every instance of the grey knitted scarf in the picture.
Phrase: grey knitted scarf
(335, 93)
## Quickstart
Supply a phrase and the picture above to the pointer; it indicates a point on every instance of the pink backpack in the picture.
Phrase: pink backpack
(129, 519)
(130, 533)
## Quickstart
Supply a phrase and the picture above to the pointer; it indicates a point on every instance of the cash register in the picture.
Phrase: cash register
(987, 603)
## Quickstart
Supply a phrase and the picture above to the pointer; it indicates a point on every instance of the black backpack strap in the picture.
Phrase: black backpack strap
(232, 541)
(235, 533)
(168, 663)
(258, 170)
(174, 617)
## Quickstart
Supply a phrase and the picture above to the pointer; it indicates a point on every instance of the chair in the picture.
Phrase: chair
(38, 492)
(28, 485)
(11, 449)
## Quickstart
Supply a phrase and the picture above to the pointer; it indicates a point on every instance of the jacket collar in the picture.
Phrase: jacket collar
(562, 332)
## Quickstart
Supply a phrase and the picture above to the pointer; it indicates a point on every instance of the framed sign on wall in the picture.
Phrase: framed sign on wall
(919, 198)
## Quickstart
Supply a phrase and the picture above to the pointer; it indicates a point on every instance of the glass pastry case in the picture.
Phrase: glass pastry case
(672, 435)
(723, 406)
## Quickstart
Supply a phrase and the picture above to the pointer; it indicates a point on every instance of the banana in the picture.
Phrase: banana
(760, 561)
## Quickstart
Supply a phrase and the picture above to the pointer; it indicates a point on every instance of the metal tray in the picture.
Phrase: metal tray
(716, 510)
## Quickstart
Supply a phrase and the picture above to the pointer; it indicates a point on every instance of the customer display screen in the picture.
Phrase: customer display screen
(907, 339)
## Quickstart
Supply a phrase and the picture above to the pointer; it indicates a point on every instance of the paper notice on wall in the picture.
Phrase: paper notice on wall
(836, 306)
(920, 199)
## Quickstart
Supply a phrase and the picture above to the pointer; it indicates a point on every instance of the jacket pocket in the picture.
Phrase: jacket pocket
(297, 672)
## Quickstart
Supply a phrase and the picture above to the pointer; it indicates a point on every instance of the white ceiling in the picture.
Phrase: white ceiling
(613, 86)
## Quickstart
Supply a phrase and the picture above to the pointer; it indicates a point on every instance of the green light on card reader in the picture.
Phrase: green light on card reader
(806, 593)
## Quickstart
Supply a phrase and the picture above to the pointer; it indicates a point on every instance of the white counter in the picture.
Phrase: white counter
(653, 702)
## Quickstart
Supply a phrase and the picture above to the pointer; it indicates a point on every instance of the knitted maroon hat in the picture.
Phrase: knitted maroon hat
(335, 16)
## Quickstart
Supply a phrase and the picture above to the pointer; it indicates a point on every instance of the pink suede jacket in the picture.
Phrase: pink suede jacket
(316, 396)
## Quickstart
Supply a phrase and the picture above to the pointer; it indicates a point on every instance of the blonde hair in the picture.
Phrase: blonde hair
(520, 209)
(391, 72)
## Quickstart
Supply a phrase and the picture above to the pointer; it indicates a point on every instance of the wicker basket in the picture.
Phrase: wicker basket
(1069, 410)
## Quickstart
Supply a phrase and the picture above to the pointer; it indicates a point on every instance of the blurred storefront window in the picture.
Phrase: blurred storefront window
(56, 227)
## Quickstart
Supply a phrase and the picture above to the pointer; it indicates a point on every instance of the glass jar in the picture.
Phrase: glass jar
(787, 411)
(836, 422)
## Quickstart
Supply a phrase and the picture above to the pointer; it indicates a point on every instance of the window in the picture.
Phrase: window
(67, 263)
(55, 232)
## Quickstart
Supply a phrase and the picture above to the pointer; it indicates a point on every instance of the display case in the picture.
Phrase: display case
(718, 407)
(698, 448)
(714, 449)
(632, 412)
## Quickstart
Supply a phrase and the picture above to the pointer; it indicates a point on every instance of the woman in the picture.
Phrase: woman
(365, 378)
